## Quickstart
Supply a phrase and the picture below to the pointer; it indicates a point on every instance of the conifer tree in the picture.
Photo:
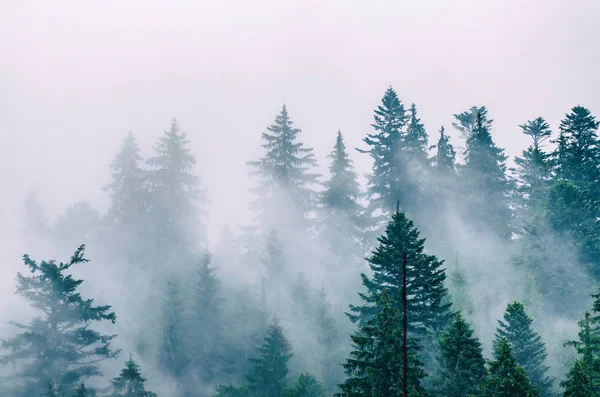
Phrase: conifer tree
(81, 391)
(461, 366)
(415, 140)
(459, 287)
(51, 390)
(176, 194)
(466, 122)
(306, 385)
(285, 174)
(273, 257)
(444, 161)
(375, 365)
(385, 183)
(61, 343)
(506, 377)
(485, 183)
(331, 370)
(577, 383)
(341, 213)
(527, 346)
(173, 356)
(588, 349)
(207, 332)
(268, 375)
(428, 310)
(130, 382)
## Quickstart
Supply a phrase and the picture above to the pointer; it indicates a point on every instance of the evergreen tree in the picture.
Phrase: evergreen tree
(588, 349)
(428, 310)
(375, 365)
(208, 339)
(459, 287)
(506, 377)
(268, 375)
(466, 122)
(331, 371)
(385, 183)
(130, 382)
(129, 198)
(415, 140)
(306, 385)
(285, 194)
(485, 183)
(273, 258)
(341, 213)
(461, 366)
(61, 344)
(52, 390)
(173, 357)
(444, 161)
(81, 391)
(527, 346)
(577, 383)
(176, 193)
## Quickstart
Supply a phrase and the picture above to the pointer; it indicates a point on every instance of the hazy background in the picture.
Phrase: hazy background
(76, 75)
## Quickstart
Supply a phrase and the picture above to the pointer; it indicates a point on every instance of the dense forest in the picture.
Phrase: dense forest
(499, 267)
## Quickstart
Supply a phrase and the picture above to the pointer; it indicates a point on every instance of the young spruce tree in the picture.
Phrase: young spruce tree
(61, 343)
(130, 382)
(527, 346)
(578, 383)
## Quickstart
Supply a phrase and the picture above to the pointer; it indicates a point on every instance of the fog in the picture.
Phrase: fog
(76, 76)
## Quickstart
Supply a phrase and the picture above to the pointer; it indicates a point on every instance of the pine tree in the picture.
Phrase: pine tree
(130, 382)
(459, 287)
(588, 349)
(428, 310)
(577, 383)
(385, 183)
(268, 375)
(208, 338)
(176, 193)
(466, 122)
(506, 377)
(129, 196)
(341, 213)
(375, 365)
(285, 194)
(485, 183)
(527, 346)
(444, 161)
(461, 366)
(306, 385)
(61, 344)
(173, 357)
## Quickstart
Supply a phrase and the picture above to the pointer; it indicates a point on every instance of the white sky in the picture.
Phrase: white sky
(76, 75)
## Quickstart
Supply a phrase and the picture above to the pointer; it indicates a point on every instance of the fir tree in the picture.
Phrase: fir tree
(331, 371)
(445, 156)
(341, 213)
(415, 140)
(459, 287)
(428, 310)
(285, 194)
(268, 375)
(461, 366)
(306, 385)
(527, 346)
(588, 349)
(466, 122)
(176, 193)
(208, 330)
(385, 183)
(506, 377)
(61, 344)
(375, 365)
(130, 382)
(485, 183)
(577, 383)
(173, 357)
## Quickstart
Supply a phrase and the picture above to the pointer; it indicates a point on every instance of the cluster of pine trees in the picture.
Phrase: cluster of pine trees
(282, 330)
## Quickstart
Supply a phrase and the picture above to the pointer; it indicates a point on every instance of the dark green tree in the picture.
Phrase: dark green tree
(506, 377)
(375, 365)
(466, 122)
(285, 174)
(61, 344)
(341, 220)
(444, 161)
(588, 349)
(176, 193)
(173, 356)
(268, 375)
(527, 346)
(385, 183)
(486, 187)
(306, 385)
(577, 383)
(428, 303)
(461, 366)
(130, 382)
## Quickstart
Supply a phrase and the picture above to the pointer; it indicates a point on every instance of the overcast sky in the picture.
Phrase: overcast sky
(76, 75)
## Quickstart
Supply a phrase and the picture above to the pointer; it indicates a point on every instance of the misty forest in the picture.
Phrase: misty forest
(336, 287)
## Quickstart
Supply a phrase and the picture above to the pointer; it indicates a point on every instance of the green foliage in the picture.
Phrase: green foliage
(588, 348)
(306, 385)
(527, 346)
(461, 366)
(506, 377)
(61, 344)
(375, 365)
(578, 383)
(173, 356)
(130, 382)
(445, 156)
